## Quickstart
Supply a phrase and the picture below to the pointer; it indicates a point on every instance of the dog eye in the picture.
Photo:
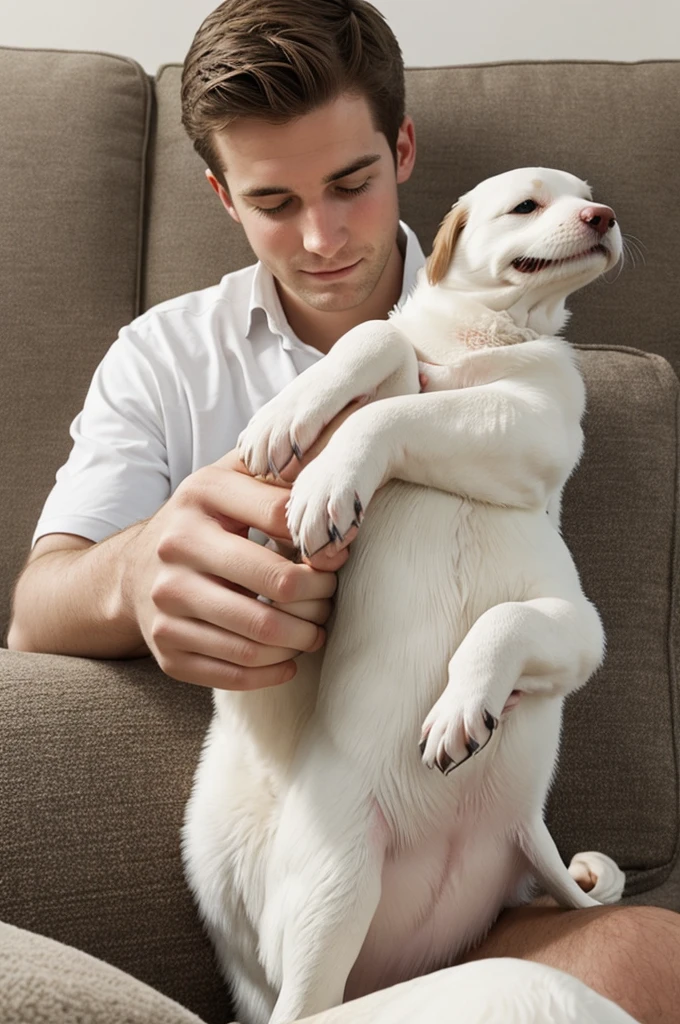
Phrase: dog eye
(528, 206)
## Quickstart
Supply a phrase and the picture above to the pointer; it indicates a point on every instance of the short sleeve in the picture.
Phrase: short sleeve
(117, 471)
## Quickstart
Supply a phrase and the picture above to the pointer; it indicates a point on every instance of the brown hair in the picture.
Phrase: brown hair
(280, 59)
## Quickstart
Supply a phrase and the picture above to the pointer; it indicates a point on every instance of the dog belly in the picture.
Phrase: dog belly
(424, 567)
(438, 900)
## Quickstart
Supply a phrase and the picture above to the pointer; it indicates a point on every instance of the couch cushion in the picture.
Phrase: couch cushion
(97, 763)
(74, 132)
(44, 981)
(608, 122)
(617, 787)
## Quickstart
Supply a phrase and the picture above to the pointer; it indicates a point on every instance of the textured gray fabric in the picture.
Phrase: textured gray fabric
(191, 239)
(97, 762)
(74, 132)
(617, 787)
(45, 982)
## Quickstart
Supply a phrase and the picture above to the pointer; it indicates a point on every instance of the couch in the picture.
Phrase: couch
(104, 212)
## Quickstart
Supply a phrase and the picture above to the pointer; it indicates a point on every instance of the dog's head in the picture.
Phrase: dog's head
(529, 234)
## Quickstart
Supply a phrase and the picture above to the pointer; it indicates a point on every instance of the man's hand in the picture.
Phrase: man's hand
(193, 579)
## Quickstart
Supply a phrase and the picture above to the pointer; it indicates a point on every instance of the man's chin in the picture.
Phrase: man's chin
(336, 301)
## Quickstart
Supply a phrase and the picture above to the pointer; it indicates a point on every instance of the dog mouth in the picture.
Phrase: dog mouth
(532, 264)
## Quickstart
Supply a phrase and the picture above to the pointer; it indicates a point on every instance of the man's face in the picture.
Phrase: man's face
(317, 198)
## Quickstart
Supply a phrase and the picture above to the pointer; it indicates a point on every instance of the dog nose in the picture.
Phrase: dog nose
(601, 218)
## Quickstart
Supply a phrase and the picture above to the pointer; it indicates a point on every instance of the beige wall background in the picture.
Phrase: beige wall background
(430, 32)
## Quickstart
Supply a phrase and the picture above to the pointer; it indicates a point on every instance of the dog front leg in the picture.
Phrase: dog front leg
(323, 884)
(545, 646)
(372, 361)
(486, 443)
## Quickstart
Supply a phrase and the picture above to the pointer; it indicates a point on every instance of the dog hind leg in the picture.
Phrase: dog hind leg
(546, 646)
(323, 890)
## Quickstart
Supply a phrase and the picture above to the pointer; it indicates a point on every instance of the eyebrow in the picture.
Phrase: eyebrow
(344, 172)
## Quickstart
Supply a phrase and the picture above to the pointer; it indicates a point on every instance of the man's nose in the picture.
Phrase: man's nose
(323, 232)
(601, 218)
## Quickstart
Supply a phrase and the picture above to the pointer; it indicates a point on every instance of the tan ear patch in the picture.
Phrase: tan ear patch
(439, 260)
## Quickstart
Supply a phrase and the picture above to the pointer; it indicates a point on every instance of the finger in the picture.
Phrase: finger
(191, 636)
(253, 567)
(205, 671)
(328, 559)
(208, 602)
(311, 611)
(226, 491)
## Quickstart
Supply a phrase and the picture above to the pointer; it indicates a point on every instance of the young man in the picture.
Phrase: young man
(297, 107)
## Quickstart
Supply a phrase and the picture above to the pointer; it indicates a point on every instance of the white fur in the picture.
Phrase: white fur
(498, 991)
(326, 859)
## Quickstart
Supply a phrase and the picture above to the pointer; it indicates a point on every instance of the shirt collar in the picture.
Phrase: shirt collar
(265, 303)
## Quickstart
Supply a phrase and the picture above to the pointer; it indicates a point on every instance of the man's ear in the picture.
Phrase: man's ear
(225, 198)
(445, 243)
(406, 150)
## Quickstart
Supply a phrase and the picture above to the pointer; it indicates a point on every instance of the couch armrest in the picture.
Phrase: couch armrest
(97, 762)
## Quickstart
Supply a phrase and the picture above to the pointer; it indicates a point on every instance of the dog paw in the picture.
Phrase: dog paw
(328, 500)
(453, 733)
(286, 426)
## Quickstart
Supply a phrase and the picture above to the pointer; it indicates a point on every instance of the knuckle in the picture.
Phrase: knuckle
(284, 583)
(244, 653)
(165, 590)
(162, 630)
(169, 546)
(273, 511)
(267, 629)
(193, 487)
(237, 677)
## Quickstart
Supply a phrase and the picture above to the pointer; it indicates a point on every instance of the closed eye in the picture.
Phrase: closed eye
(344, 193)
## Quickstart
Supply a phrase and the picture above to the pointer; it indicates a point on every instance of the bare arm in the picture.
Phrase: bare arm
(182, 585)
(67, 599)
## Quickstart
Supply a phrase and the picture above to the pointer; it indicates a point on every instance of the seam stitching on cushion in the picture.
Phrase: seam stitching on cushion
(646, 879)
(661, 367)
(505, 64)
(143, 195)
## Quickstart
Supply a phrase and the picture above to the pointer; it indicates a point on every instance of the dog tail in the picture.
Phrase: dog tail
(598, 875)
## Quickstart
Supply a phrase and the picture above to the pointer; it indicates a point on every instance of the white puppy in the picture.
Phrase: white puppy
(327, 860)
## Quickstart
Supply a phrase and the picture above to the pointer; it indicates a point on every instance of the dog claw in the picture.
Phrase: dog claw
(422, 745)
(358, 509)
(444, 761)
(489, 721)
(334, 534)
(472, 746)
(272, 469)
(296, 449)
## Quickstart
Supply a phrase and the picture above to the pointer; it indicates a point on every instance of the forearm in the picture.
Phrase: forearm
(75, 602)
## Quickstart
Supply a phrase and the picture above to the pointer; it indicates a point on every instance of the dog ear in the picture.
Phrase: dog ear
(439, 260)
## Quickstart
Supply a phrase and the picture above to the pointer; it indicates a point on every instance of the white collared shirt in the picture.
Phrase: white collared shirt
(172, 395)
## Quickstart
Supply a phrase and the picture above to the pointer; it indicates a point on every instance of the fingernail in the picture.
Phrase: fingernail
(320, 639)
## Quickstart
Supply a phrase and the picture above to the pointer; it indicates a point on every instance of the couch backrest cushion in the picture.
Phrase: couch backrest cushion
(610, 123)
(617, 785)
(72, 155)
